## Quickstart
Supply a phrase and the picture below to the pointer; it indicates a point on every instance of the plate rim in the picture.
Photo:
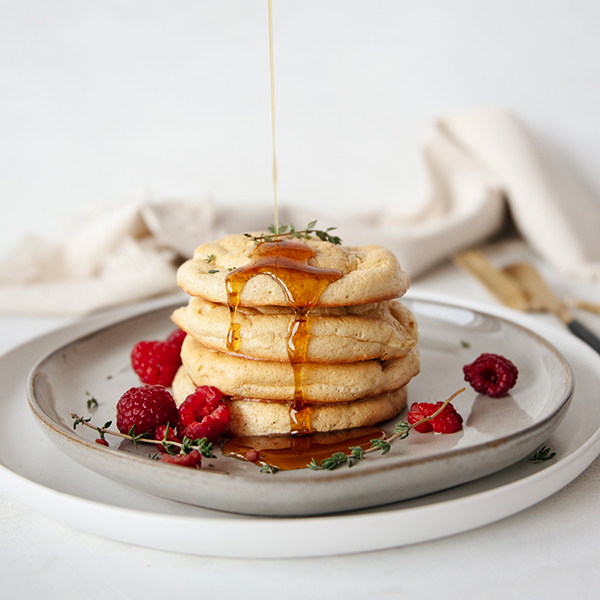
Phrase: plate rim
(366, 469)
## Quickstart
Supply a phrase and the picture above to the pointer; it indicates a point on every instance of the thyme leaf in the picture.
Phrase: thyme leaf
(542, 455)
(134, 437)
(357, 452)
(314, 465)
(79, 421)
(382, 445)
(330, 463)
(270, 469)
(401, 429)
(204, 447)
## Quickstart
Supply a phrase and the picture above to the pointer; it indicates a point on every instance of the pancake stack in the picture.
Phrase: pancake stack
(361, 347)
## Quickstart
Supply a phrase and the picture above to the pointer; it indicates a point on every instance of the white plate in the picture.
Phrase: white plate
(43, 478)
(498, 432)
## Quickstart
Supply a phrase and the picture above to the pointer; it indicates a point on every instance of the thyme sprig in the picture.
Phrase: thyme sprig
(270, 469)
(186, 445)
(290, 232)
(542, 455)
(401, 431)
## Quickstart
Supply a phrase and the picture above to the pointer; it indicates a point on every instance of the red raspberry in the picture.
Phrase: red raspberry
(176, 337)
(145, 407)
(491, 374)
(156, 362)
(448, 421)
(193, 459)
(159, 434)
(203, 414)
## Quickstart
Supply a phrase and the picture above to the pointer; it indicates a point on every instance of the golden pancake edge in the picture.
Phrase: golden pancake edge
(271, 380)
(370, 273)
(252, 417)
(383, 330)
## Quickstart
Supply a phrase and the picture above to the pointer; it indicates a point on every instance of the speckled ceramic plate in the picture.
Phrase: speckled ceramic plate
(497, 432)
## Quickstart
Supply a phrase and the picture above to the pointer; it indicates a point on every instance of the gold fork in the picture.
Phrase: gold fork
(520, 286)
(583, 305)
(495, 280)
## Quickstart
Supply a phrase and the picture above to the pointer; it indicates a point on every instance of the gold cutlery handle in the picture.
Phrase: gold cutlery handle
(494, 279)
(580, 304)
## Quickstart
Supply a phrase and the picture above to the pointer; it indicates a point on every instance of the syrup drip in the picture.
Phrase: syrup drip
(272, 73)
(294, 452)
(286, 262)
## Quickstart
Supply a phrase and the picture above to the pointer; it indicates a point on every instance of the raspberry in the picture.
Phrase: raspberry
(448, 421)
(193, 459)
(203, 414)
(101, 441)
(156, 362)
(176, 338)
(159, 434)
(145, 408)
(491, 374)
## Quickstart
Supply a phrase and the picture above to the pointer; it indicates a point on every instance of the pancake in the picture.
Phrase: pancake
(251, 417)
(331, 307)
(369, 273)
(384, 330)
(270, 380)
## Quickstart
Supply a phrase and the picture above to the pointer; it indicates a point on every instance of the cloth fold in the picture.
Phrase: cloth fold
(477, 165)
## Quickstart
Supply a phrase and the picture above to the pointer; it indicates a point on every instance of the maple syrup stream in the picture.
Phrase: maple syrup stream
(272, 79)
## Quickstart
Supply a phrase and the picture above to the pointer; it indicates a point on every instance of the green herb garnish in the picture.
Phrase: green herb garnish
(290, 232)
(186, 445)
(270, 469)
(542, 455)
(401, 431)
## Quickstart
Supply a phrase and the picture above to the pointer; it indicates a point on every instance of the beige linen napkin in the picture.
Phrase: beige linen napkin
(476, 163)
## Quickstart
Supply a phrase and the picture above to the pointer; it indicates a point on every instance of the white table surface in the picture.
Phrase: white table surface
(548, 551)
(110, 100)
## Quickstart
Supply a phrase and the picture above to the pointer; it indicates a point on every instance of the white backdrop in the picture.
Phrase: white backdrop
(102, 102)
